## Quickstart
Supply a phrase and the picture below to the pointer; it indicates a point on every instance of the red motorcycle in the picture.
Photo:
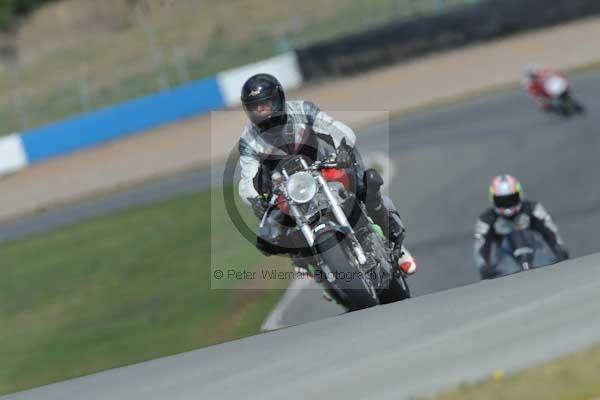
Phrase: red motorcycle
(553, 93)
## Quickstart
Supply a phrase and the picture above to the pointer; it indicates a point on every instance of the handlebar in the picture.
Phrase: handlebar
(317, 165)
(278, 178)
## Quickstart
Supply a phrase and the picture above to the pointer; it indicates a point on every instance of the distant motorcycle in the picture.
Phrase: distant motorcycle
(349, 254)
(553, 91)
(562, 101)
(521, 249)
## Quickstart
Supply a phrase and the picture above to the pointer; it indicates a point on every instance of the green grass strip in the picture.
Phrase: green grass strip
(119, 290)
(575, 377)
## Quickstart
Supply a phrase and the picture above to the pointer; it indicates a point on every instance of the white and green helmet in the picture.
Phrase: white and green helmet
(506, 195)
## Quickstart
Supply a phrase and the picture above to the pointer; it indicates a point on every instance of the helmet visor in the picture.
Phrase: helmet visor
(263, 109)
(507, 201)
(260, 105)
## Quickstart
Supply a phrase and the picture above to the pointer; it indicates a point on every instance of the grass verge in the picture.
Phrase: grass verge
(574, 377)
(121, 289)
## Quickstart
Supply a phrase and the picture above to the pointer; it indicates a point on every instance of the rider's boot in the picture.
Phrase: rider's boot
(406, 262)
(381, 210)
(394, 231)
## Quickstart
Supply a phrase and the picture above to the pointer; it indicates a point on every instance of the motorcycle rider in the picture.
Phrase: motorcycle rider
(534, 81)
(277, 129)
(506, 198)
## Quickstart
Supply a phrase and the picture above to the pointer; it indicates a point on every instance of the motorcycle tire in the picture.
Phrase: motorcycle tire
(397, 291)
(354, 290)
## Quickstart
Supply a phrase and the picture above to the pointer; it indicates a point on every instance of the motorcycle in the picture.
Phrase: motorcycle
(349, 255)
(521, 249)
(560, 98)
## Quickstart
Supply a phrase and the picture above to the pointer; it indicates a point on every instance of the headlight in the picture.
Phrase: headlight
(301, 187)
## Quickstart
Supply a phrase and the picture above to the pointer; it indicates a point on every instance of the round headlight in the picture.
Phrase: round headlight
(302, 187)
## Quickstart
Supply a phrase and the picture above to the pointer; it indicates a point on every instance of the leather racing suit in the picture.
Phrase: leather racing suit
(532, 216)
(312, 133)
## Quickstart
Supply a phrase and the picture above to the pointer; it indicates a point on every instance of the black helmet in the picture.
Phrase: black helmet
(264, 89)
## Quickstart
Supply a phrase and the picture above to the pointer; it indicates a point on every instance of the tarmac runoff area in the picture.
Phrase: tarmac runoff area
(452, 332)
(442, 163)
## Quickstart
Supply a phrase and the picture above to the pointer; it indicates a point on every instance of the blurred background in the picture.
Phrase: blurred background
(117, 116)
(61, 58)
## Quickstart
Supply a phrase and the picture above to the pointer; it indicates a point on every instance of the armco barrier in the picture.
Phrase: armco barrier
(127, 118)
(352, 54)
(284, 67)
(139, 115)
(403, 40)
(12, 154)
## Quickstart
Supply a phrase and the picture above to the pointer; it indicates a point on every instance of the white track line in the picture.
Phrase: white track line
(274, 319)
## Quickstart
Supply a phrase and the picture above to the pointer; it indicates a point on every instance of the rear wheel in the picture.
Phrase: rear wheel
(397, 291)
(397, 288)
(354, 290)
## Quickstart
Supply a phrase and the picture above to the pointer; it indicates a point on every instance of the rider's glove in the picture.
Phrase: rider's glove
(561, 252)
(344, 157)
(259, 205)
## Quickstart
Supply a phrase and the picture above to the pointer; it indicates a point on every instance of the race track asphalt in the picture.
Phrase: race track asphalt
(443, 162)
(397, 351)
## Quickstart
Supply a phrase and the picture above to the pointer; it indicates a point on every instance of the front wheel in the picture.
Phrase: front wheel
(565, 109)
(577, 106)
(570, 106)
(342, 275)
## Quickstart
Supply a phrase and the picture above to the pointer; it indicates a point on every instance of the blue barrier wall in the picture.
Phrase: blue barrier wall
(126, 118)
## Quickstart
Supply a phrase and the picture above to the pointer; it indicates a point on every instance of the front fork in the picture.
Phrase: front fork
(340, 217)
